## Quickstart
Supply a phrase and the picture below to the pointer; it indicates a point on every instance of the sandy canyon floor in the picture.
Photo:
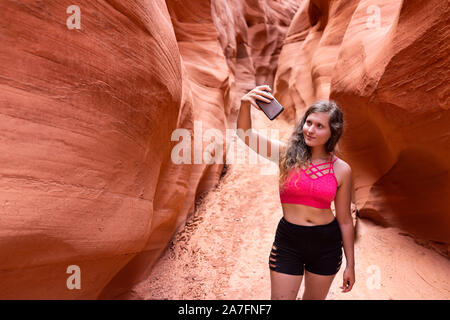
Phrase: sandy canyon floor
(223, 251)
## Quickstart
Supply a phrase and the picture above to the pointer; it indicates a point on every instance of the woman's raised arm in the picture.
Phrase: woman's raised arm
(245, 132)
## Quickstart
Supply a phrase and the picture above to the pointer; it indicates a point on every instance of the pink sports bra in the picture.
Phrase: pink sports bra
(316, 192)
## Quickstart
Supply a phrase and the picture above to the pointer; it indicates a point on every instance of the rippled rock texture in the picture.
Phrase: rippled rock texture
(90, 97)
(387, 65)
(88, 187)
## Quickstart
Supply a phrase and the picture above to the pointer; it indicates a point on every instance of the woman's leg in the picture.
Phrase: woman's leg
(325, 261)
(284, 286)
(286, 262)
(316, 286)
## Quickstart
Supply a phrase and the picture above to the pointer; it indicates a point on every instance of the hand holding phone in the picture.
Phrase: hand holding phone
(260, 97)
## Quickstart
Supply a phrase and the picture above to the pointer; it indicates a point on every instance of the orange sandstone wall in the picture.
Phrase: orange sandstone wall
(86, 118)
(387, 65)
(87, 115)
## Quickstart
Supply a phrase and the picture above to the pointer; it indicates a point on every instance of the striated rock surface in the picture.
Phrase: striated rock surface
(386, 63)
(87, 116)
(82, 113)
(87, 177)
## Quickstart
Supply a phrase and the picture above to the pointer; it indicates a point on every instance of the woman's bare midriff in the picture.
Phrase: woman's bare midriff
(306, 215)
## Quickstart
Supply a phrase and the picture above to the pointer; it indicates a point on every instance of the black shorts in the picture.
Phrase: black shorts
(318, 249)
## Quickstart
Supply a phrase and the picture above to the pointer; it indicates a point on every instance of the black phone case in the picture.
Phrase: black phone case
(271, 109)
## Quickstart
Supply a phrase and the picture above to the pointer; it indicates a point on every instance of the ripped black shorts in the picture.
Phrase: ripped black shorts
(318, 249)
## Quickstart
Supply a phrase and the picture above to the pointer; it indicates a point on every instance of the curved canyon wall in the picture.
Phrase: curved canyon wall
(90, 97)
(87, 116)
(387, 66)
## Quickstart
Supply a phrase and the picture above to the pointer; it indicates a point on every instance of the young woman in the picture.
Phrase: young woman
(309, 238)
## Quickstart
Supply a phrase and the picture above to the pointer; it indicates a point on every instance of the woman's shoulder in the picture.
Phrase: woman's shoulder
(341, 169)
(341, 163)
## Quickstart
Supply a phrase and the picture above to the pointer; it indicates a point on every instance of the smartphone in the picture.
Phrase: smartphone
(272, 109)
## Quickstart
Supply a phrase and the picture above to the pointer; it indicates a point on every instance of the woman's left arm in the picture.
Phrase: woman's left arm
(342, 204)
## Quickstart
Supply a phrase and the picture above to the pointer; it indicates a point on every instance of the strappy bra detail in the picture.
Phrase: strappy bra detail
(314, 188)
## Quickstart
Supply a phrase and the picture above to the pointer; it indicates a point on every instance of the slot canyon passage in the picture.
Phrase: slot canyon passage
(222, 252)
(87, 118)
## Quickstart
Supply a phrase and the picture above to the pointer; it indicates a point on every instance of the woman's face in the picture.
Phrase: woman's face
(316, 130)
